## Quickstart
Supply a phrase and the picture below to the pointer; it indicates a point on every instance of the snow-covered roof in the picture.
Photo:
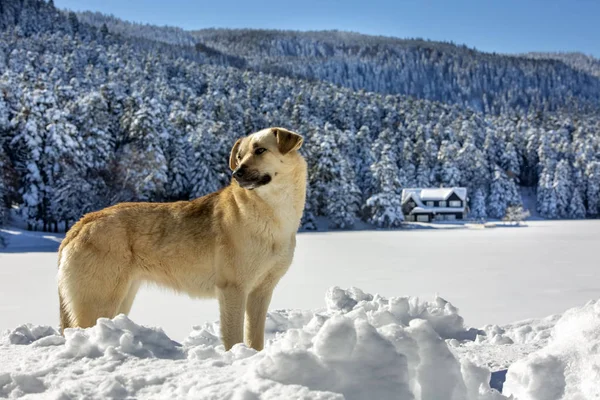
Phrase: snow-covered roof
(417, 210)
(434, 194)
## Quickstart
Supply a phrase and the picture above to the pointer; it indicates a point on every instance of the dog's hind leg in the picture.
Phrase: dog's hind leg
(92, 289)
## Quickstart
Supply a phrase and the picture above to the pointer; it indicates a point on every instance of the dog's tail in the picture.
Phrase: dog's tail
(65, 320)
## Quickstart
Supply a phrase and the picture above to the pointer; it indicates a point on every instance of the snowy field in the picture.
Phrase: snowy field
(353, 344)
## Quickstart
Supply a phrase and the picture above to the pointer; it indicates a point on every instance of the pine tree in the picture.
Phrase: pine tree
(593, 188)
(385, 207)
(477, 209)
(576, 208)
(503, 194)
(333, 180)
(208, 164)
(309, 221)
(562, 188)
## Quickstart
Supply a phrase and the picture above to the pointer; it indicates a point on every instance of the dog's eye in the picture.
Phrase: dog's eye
(259, 151)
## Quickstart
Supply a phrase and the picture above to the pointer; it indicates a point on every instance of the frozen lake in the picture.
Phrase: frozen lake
(495, 275)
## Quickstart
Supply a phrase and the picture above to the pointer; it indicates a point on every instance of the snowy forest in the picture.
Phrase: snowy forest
(95, 111)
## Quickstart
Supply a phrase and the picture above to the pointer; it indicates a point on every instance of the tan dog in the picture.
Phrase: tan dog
(234, 244)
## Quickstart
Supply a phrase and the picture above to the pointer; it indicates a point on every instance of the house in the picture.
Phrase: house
(426, 205)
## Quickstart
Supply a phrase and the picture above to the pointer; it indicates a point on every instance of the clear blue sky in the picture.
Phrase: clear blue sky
(507, 26)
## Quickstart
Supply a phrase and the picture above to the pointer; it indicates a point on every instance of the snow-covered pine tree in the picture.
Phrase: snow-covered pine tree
(385, 206)
(142, 164)
(30, 142)
(449, 174)
(309, 221)
(332, 179)
(576, 208)
(363, 158)
(94, 122)
(592, 173)
(477, 208)
(503, 194)
(208, 169)
(562, 188)
(4, 126)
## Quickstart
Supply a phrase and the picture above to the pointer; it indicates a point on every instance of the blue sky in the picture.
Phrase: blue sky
(507, 26)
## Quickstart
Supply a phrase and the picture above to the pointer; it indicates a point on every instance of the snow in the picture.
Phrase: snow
(495, 276)
(355, 344)
(568, 367)
(434, 194)
(361, 346)
(436, 209)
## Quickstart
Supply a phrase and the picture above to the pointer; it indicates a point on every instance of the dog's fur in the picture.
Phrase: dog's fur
(234, 244)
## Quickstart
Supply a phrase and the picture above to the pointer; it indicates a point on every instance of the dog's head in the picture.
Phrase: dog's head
(261, 157)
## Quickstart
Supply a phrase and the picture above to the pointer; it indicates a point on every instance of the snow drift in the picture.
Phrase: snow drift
(568, 367)
(358, 347)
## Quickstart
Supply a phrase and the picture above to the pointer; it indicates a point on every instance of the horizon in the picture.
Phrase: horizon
(511, 28)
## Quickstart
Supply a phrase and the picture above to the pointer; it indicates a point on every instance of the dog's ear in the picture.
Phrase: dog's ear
(286, 140)
(233, 161)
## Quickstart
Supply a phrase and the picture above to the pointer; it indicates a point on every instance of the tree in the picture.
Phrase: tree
(477, 210)
(592, 173)
(562, 188)
(209, 165)
(503, 194)
(516, 214)
(385, 206)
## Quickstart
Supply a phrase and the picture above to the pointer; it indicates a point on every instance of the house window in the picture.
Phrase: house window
(455, 203)
(450, 217)
(412, 204)
(442, 204)
(423, 218)
(430, 204)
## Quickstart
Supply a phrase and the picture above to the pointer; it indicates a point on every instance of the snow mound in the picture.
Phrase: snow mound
(359, 347)
(121, 335)
(568, 367)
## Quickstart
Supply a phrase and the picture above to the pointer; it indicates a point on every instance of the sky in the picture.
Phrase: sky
(503, 26)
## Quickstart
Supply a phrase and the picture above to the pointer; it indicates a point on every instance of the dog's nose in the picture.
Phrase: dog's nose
(239, 172)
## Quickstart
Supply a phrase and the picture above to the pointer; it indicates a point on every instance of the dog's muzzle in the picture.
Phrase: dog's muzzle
(249, 179)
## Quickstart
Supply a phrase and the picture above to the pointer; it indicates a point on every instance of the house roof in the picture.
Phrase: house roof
(434, 194)
(436, 210)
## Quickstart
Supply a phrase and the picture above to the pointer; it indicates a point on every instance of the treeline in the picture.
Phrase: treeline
(88, 119)
(485, 82)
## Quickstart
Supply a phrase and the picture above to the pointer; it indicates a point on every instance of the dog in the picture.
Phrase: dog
(234, 244)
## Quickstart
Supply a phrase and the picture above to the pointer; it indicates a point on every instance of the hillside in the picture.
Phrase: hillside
(128, 118)
(424, 69)
(582, 62)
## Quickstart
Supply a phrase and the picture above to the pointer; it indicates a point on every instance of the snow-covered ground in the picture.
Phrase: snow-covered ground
(495, 276)
(378, 347)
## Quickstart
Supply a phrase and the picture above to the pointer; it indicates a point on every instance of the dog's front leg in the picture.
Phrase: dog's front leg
(232, 301)
(256, 312)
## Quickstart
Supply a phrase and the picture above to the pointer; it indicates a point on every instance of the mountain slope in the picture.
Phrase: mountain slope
(580, 61)
(424, 69)
(130, 119)
(486, 82)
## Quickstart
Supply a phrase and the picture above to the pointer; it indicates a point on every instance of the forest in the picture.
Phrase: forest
(95, 111)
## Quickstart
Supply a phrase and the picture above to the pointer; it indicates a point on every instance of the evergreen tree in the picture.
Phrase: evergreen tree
(562, 189)
(503, 194)
(385, 207)
(477, 209)
(593, 188)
